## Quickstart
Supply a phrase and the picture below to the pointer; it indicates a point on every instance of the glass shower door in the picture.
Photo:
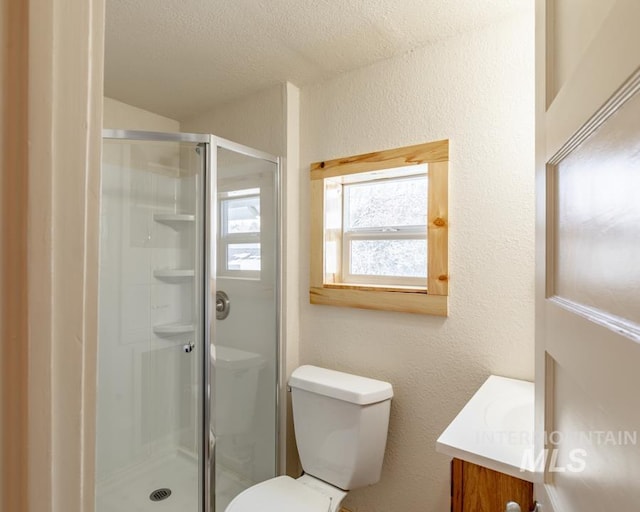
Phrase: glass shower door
(151, 351)
(245, 351)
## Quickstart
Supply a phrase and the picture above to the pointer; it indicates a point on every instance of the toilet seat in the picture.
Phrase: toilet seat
(280, 494)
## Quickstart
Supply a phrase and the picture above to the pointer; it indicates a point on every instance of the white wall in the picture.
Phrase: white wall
(119, 115)
(257, 121)
(478, 91)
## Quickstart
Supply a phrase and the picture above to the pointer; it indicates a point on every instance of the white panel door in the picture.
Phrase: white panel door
(588, 254)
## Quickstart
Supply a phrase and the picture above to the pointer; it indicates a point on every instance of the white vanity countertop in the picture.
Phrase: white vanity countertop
(495, 429)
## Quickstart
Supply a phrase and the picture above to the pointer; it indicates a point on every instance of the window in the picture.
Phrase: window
(239, 244)
(384, 237)
(379, 230)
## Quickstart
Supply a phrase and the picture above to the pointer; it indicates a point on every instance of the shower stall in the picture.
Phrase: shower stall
(188, 349)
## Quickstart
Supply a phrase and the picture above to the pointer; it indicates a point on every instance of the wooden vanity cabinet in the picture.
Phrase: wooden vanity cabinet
(478, 489)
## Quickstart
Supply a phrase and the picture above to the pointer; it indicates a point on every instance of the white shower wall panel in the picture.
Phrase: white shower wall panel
(142, 409)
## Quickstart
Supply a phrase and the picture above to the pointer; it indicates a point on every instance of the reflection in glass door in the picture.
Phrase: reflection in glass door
(151, 376)
(245, 353)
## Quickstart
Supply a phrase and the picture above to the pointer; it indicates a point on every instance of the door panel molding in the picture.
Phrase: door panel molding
(618, 101)
(609, 108)
(596, 78)
(614, 323)
(583, 349)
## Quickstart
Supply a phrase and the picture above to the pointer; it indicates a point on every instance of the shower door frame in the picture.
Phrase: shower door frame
(208, 196)
(205, 457)
(220, 142)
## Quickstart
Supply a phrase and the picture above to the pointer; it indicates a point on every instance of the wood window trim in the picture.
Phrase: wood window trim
(434, 299)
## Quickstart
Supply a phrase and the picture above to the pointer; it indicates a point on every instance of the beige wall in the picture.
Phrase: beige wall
(65, 63)
(119, 115)
(257, 121)
(575, 25)
(476, 90)
(290, 359)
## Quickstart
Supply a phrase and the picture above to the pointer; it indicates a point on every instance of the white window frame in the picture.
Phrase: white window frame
(415, 232)
(225, 239)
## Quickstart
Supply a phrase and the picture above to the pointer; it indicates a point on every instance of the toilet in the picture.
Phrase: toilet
(341, 423)
(239, 370)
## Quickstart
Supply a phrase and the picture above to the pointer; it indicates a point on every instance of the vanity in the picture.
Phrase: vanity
(491, 442)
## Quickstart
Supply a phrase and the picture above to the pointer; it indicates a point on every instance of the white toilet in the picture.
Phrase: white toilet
(238, 370)
(341, 423)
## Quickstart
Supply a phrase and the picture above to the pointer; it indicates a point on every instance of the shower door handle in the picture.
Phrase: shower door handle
(188, 347)
(223, 305)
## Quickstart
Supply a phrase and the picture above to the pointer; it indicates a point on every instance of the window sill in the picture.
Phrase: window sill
(377, 287)
(384, 298)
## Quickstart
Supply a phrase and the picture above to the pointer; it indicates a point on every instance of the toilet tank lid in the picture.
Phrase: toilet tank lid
(339, 385)
(233, 358)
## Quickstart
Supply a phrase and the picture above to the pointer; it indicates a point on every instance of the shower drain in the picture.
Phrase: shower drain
(160, 494)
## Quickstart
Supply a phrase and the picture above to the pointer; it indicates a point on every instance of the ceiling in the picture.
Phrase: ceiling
(180, 57)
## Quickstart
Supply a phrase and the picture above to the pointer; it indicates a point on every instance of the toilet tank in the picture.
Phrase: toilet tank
(235, 378)
(341, 423)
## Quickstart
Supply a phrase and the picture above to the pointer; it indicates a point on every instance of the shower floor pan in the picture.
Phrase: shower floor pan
(131, 491)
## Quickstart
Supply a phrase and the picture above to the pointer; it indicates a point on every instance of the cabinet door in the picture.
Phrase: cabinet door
(478, 489)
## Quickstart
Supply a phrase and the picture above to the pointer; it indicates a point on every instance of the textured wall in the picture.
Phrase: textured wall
(257, 121)
(118, 115)
(476, 90)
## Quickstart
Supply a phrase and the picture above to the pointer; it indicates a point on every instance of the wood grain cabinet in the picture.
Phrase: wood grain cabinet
(478, 489)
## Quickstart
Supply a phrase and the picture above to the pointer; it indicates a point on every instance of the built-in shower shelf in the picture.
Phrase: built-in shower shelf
(173, 329)
(171, 274)
(175, 220)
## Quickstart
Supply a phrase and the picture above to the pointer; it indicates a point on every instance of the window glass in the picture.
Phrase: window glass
(242, 215)
(243, 256)
(393, 202)
(406, 258)
(385, 234)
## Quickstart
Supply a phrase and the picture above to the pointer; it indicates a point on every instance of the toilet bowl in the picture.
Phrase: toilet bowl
(286, 494)
(341, 423)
